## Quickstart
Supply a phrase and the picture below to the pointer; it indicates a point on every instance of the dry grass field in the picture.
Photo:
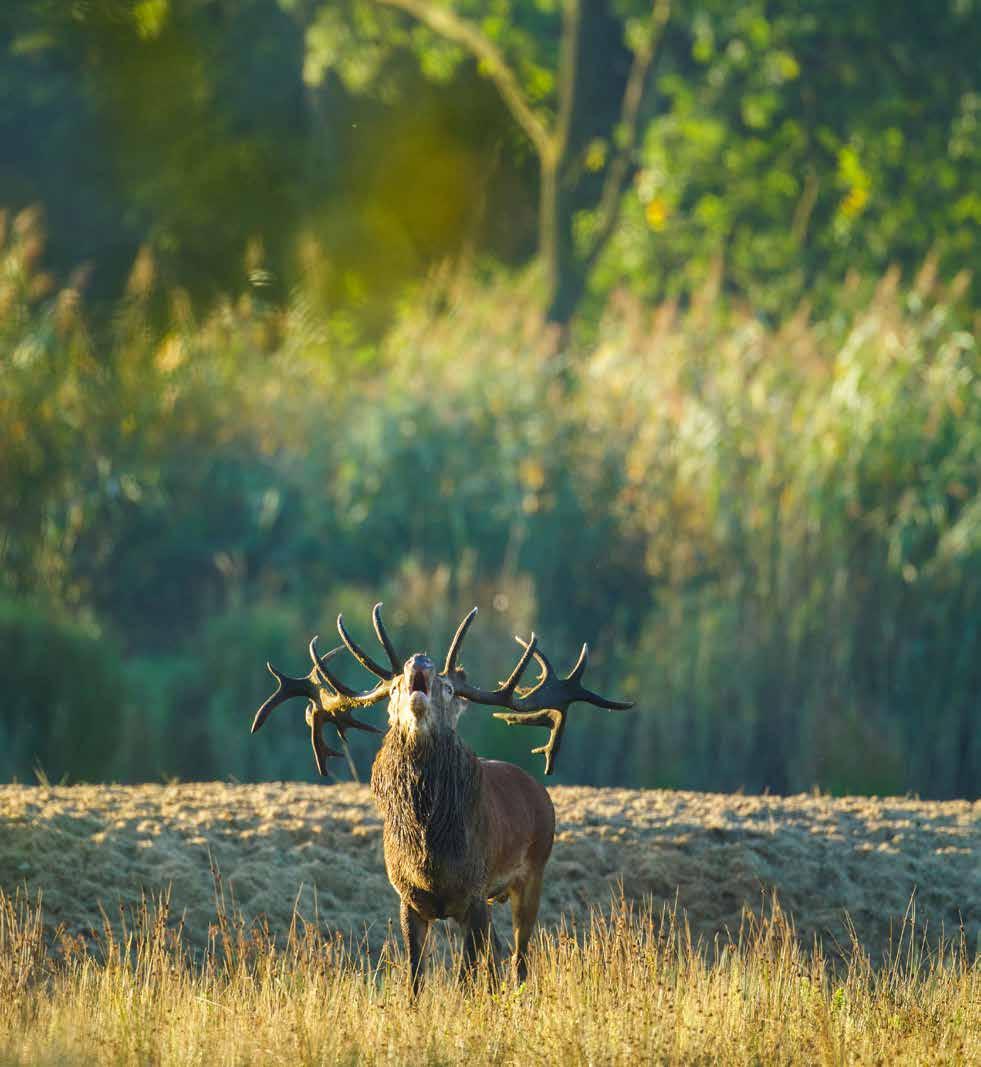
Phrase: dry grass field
(292, 961)
(88, 848)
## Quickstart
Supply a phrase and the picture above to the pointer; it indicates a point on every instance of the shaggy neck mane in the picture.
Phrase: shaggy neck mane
(427, 790)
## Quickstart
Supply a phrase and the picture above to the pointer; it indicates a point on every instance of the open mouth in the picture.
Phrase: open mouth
(419, 683)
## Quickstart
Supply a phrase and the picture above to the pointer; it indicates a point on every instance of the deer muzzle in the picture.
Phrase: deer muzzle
(419, 673)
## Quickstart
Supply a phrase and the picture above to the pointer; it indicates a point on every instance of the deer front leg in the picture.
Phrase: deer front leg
(415, 931)
(478, 937)
(524, 910)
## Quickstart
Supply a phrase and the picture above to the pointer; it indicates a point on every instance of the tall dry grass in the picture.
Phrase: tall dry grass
(631, 988)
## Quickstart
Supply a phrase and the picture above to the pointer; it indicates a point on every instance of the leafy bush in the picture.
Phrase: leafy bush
(62, 697)
(809, 499)
(771, 536)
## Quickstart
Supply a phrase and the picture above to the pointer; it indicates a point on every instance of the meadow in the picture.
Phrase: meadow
(221, 923)
(651, 324)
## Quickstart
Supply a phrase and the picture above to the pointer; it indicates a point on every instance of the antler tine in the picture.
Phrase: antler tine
(586, 695)
(386, 641)
(457, 642)
(320, 663)
(548, 671)
(547, 702)
(287, 687)
(569, 688)
(504, 695)
(581, 664)
(360, 655)
(531, 649)
(337, 708)
(589, 697)
(321, 750)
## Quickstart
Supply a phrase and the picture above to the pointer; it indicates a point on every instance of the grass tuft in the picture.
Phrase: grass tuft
(634, 986)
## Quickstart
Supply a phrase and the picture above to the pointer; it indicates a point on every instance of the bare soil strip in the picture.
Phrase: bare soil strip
(90, 849)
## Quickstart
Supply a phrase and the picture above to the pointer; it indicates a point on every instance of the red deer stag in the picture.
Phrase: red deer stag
(459, 832)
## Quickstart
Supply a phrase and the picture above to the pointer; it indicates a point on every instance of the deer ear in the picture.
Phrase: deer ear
(460, 676)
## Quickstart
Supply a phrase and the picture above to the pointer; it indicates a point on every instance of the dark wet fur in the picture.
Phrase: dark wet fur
(428, 792)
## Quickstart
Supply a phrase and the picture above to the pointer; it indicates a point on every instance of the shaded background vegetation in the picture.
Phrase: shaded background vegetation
(282, 333)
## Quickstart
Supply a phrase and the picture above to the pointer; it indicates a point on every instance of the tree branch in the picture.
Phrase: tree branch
(449, 25)
(633, 96)
(568, 60)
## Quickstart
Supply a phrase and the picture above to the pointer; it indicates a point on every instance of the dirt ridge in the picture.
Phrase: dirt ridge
(88, 848)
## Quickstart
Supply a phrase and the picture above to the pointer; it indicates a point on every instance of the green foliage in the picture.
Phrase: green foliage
(358, 39)
(197, 710)
(787, 144)
(171, 121)
(794, 144)
(771, 537)
(62, 697)
(784, 145)
(765, 520)
(809, 503)
(187, 126)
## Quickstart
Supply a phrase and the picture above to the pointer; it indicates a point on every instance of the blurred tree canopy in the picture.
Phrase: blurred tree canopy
(359, 142)
(798, 142)
(572, 75)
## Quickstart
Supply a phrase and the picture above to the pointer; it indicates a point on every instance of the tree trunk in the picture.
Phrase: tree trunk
(548, 223)
(591, 95)
(564, 275)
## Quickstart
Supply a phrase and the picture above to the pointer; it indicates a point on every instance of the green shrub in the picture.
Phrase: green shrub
(196, 707)
(62, 697)
(770, 536)
(809, 500)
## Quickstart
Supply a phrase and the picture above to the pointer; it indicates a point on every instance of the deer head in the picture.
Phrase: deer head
(422, 700)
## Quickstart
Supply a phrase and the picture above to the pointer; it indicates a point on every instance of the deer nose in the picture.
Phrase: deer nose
(419, 671)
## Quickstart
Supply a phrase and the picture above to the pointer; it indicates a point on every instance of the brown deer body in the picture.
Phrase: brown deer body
(459, 832)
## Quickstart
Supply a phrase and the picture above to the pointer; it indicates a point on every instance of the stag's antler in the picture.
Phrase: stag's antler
(545, 704)
(328, 698)
(386, 642)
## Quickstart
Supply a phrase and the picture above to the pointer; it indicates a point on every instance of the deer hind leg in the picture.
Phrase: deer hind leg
(415, 932)
(525, 896)
(478, 938)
